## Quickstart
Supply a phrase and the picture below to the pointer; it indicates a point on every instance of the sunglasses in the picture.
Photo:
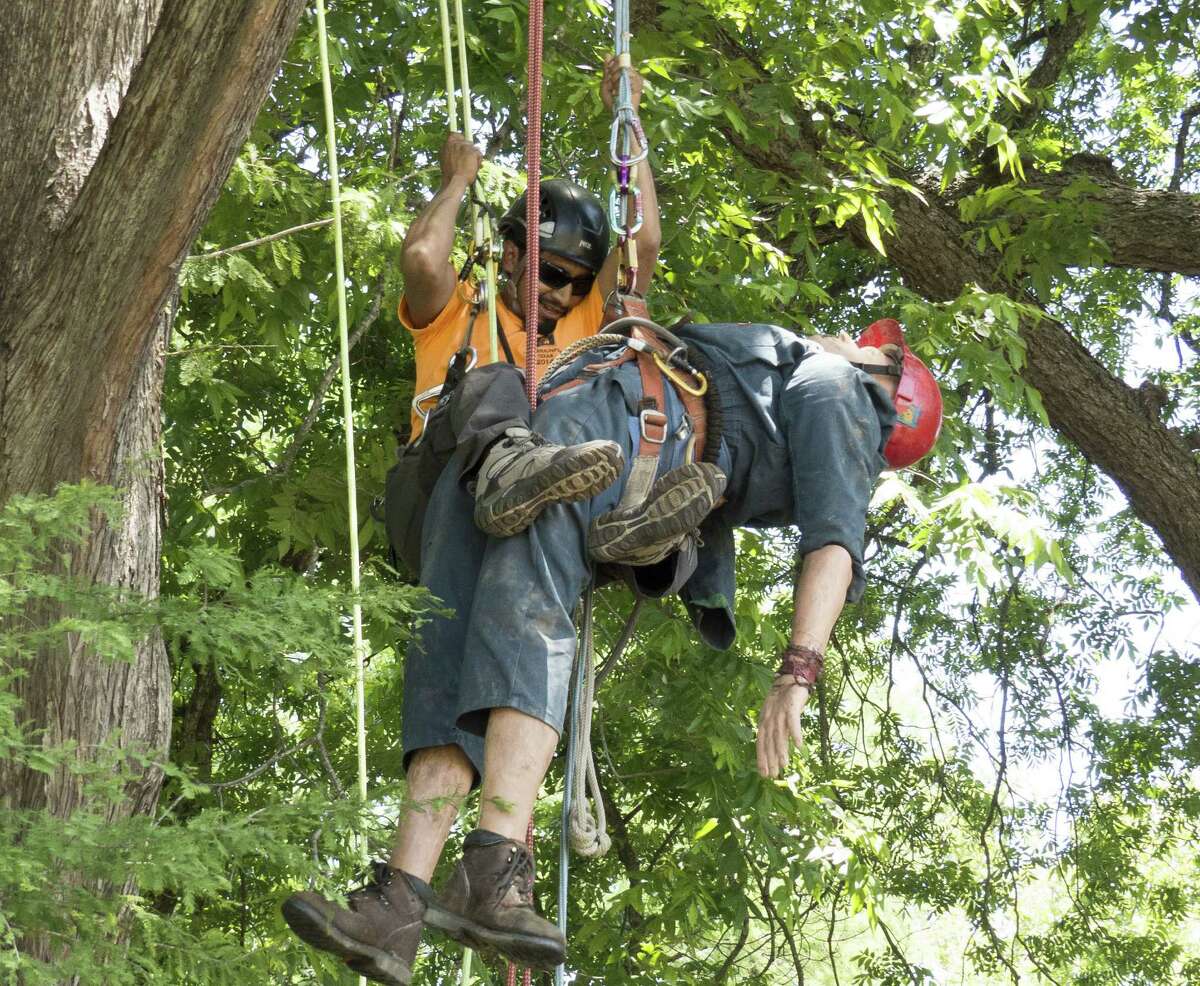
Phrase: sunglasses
(554, 277)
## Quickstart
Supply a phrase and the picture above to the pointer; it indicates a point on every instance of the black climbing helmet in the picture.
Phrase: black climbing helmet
(572, 220)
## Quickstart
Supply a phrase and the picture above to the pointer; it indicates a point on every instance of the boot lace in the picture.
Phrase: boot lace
(518, 873)
(527, 441)
(373, 890)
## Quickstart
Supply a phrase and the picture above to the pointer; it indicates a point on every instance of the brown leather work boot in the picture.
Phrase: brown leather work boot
(487, 904)
(377, 935)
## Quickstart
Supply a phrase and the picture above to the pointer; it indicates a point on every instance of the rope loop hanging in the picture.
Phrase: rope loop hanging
(588, 831)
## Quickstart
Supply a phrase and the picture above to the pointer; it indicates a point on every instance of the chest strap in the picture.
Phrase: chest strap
(662, 359)
(657, 369)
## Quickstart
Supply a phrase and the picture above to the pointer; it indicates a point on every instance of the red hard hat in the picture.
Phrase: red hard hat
(918, 399)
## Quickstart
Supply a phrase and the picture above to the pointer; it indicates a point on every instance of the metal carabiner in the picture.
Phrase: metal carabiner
(418, 403)
(427, 395)
(628, 118)
(617, 210)
(696, 390)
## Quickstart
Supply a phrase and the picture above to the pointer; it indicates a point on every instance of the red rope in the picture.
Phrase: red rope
(533, 201)
(512, 969)
(533, 196)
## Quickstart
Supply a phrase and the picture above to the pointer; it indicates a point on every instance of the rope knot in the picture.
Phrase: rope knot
(587, 838)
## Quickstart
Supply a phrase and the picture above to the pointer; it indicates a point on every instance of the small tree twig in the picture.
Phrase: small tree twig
(315, 224)
(288, 459)
(1164, 309)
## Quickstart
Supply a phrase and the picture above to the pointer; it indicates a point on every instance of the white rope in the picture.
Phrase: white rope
(587, 825)
(588, 829)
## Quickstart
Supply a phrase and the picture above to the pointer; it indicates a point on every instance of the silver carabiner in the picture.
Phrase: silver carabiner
(425, 396)
(617, 210)
(628, 118)
(419, 400)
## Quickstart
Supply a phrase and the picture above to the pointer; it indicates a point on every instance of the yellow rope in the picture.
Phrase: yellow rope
(481, 230)
(360, 702)
(481, 223)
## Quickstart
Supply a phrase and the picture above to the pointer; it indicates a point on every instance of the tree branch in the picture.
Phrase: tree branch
(1061, 39)
(723, 971)
(288, 458)
(1148, 229)
(1176, 182)
(260, 241)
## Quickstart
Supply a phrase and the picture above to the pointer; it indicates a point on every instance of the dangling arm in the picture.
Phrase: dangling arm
(820, 594)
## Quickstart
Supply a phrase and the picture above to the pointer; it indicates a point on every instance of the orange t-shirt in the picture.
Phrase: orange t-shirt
(441, 338)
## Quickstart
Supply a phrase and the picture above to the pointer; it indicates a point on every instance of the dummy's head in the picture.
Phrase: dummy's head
(882, 351)
(918, 399)
(573, 235)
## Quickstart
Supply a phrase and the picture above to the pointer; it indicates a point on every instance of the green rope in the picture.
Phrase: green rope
(451, 108)
(347, 406)
(465, 978)
(468, 123)
(481, 223)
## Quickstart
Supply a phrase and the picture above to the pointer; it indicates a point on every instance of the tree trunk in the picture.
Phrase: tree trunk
(119, 121)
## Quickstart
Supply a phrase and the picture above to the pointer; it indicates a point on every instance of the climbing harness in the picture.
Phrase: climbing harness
(662, 359)
(360, 709)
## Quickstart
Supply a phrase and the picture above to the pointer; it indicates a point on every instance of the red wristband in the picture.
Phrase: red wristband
(803, 664)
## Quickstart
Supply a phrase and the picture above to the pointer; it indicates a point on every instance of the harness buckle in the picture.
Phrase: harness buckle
(650, 418)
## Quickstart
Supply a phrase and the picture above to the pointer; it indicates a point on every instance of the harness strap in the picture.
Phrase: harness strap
(620, 304)
(880, 369)
(657, 364)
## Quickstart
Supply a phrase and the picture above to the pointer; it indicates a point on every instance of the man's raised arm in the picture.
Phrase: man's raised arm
(649, 237)
(429, 279)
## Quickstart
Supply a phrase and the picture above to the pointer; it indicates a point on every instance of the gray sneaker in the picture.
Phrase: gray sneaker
(649, 531)
(376, 935)
(523, 473)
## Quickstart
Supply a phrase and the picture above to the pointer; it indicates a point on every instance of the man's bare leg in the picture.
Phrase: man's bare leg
(439, 778)
(517, 752)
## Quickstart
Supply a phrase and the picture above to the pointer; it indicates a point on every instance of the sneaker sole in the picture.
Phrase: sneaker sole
(318, 930)
(570, 480)
(673, 508)
(532, 951)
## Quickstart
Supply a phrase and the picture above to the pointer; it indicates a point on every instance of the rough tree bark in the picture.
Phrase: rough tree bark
(1100, 413)
(119, 121)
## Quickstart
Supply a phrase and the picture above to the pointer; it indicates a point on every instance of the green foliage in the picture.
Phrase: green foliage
(1001, 779)
(272, 637)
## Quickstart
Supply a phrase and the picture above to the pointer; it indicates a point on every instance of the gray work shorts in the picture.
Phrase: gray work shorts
(510, 642)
